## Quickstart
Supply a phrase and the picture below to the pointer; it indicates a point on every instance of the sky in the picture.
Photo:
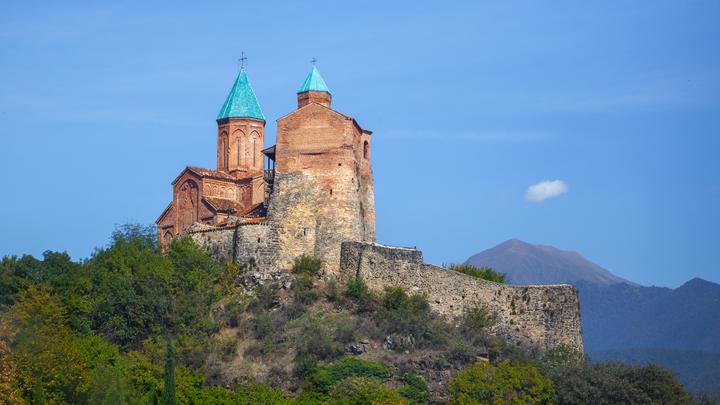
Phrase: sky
(590, 126)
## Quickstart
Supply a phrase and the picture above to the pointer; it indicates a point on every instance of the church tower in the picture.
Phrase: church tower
(241, 130)
(314, 90)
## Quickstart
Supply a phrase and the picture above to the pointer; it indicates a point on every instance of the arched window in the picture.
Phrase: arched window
(222, 151)
(252, 149)
(237, 143)
(366, 150)
(237, 148)
(187, 204)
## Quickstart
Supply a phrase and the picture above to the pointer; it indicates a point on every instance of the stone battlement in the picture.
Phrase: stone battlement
(529, 316)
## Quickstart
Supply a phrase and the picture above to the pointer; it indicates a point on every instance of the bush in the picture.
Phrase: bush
(579, 381)
(505, 383)
(305, 364)
(484, 273)
(410, 315)
(325, 377)
(262, 324)
(307, 265)
(259, 394)
(316, 339)
(415, 389)
(358, 292)
(362, 391)
(265, 297)
(305, 293)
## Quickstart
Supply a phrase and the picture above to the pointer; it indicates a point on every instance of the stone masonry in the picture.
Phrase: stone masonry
(313, 195)
(535, 316)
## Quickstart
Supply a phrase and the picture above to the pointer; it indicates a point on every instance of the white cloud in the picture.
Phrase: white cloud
(544, 190)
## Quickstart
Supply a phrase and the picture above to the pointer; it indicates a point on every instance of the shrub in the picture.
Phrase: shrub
(474, 323)
(411, 315)
(316, 339)
(484, 273)
(363, 390)
(504, 383)
(325, 377)
(308, 265)
(305, 293)
(255, 394)
(265, 297)
(262, 324)
(345, 328)
(460, 351)
(305, 364)
(415, 389)
(358, 292)
(332, 292)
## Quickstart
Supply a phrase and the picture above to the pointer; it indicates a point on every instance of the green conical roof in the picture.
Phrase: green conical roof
(241, 102)
(314, 82)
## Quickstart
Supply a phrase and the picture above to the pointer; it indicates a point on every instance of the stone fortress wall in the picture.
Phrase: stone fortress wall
(535, 316)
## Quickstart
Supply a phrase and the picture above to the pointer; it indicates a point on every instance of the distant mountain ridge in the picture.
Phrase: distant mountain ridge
(677, 328)
(525, 263)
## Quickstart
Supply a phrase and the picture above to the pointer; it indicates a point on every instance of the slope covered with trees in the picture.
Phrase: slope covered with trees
(131, 325)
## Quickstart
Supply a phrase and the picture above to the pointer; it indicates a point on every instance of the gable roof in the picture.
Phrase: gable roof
(241, 101)
(314, 82)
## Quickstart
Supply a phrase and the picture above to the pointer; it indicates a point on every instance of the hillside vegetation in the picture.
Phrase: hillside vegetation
(130, 325)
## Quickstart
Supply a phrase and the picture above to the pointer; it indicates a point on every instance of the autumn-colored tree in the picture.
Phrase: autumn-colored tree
(48, 363)
(8, 371)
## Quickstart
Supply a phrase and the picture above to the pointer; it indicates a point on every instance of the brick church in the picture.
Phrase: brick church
(312, 194)
(305, 195)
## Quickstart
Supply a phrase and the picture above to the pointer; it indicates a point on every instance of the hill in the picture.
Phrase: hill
(699, 371)
(525, 263)
(676, 328)
(626, 316)
(134, 325)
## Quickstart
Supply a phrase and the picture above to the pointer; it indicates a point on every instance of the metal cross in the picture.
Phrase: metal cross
(314, 59)
(242, 60)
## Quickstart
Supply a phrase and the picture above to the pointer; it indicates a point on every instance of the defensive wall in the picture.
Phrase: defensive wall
(533, 316)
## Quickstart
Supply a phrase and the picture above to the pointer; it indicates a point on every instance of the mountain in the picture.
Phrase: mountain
(676, 328)
(524, 263)
(699, 371)
(630, 316)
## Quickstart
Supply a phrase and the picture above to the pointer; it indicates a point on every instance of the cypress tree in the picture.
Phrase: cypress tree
(169, 389)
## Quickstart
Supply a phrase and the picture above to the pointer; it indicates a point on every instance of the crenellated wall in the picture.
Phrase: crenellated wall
(533, 316)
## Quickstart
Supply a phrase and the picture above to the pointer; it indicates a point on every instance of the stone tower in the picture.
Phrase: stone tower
(241, 135)
(323, 189)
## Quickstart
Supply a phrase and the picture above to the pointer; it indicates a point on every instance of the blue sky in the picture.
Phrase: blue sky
(471, 103)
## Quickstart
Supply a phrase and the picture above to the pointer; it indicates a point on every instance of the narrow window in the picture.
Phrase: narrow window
(366, 149)
(238, 152)
(254, 152)
(330, 191)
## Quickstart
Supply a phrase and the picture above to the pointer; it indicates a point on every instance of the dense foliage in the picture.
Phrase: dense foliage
(484, 273)
(133, 326)
(503, 383)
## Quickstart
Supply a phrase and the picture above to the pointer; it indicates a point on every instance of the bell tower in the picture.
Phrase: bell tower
(314, 90)
(241, 130)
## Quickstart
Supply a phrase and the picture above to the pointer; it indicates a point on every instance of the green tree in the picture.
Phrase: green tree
(505, 383)
(365, 390)
(169, 387)
(578, 381)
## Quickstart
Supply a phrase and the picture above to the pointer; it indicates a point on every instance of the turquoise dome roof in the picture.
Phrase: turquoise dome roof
(314, 82)
(241, 102)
